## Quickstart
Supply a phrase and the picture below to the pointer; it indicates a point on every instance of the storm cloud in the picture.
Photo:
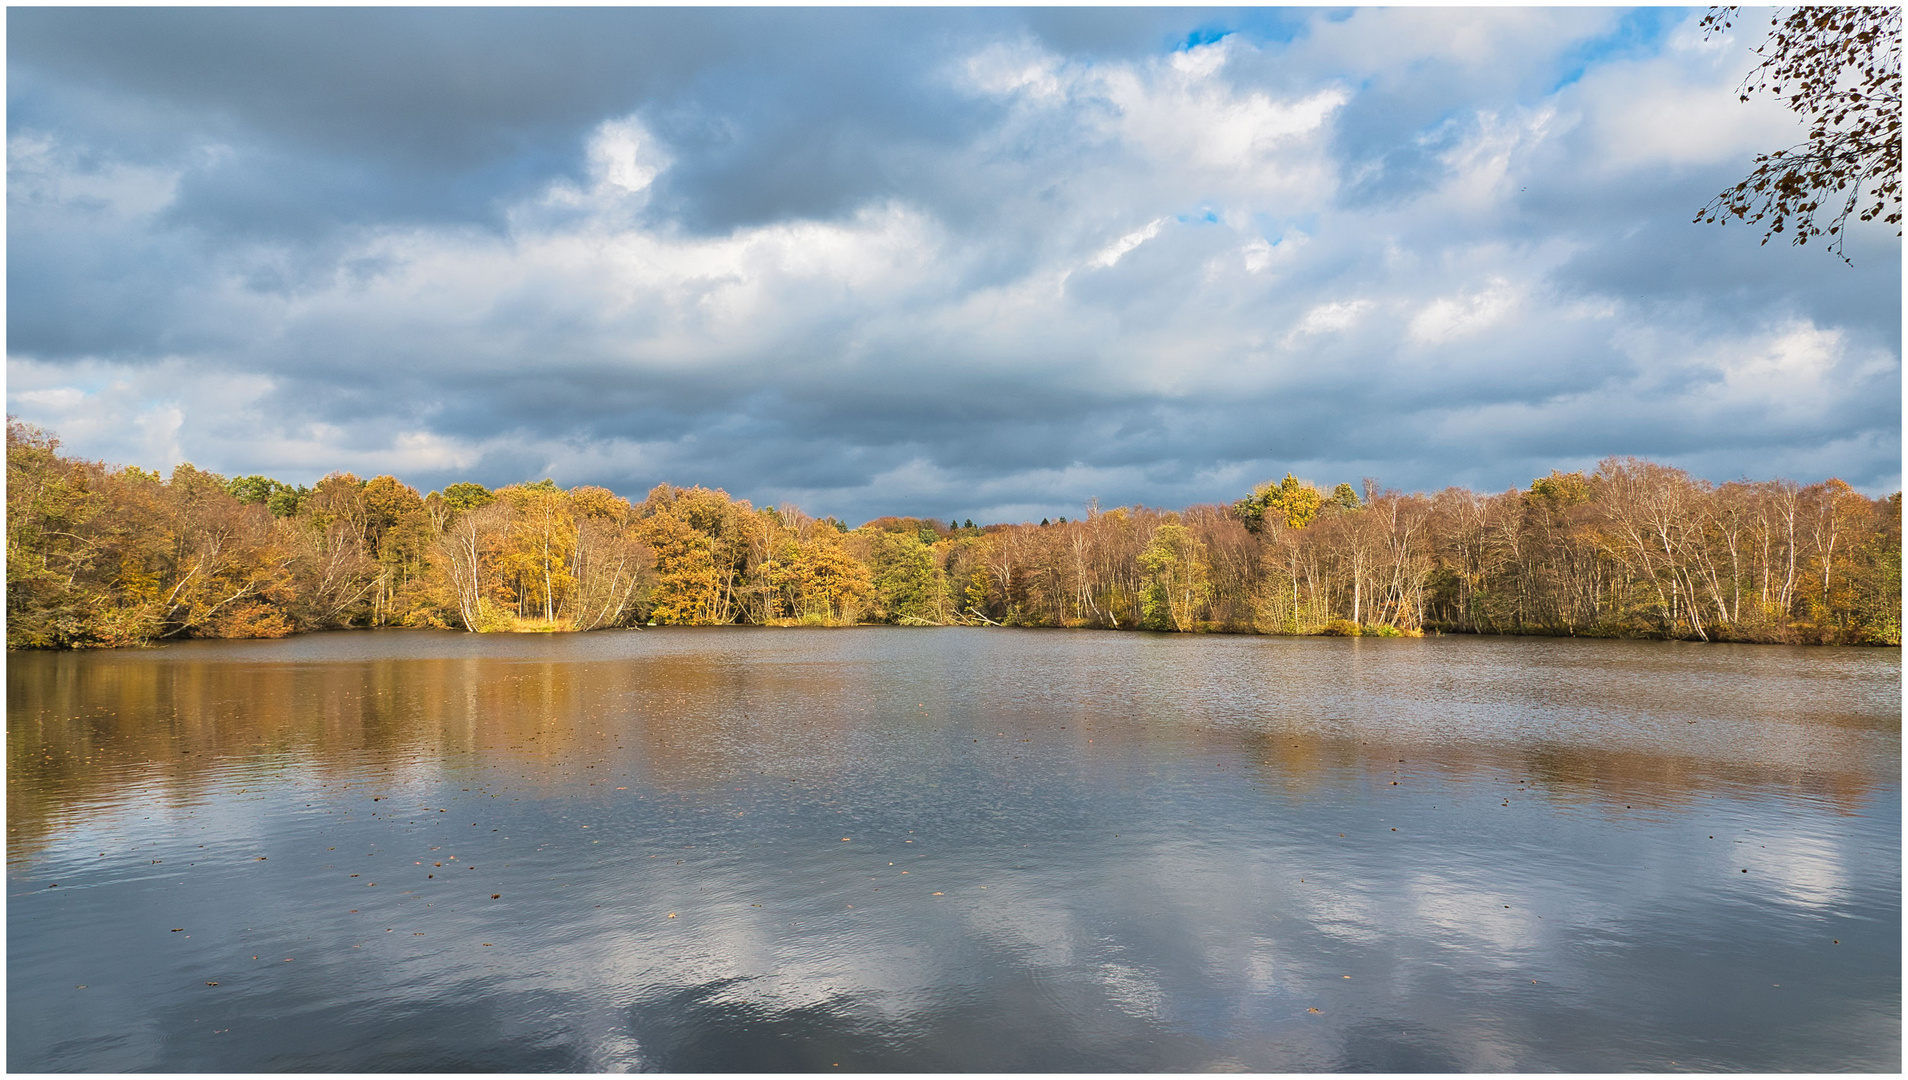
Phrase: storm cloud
(982, 264)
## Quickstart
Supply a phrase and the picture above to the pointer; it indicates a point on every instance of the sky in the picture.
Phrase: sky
(984, 264)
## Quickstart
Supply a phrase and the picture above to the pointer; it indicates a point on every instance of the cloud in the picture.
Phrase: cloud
(992, 271)
(1451, 317)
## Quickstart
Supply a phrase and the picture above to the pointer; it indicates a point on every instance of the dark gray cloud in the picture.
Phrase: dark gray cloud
(974, 263)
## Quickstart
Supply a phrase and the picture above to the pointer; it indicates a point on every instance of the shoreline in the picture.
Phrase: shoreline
(1427, 633)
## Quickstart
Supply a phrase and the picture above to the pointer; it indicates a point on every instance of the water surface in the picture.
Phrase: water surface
(978, 850)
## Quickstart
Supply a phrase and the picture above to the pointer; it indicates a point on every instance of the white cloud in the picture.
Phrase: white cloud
(1482, 167)
(1792, 362)
(147, 414)
(1013, 68)
(1193, 119)
(1112, 252)
(1464, 315)
(1202, 61)
(1677, 111)
(1329, 318)
(625, 155)
(61, 400)
(1490, 43)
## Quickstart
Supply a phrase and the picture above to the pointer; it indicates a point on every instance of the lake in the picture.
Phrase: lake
(888, 849)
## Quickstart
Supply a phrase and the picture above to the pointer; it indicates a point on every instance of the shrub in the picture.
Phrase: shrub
(253, 620)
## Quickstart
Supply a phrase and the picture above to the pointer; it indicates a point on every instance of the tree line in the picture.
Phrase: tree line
(100, 556)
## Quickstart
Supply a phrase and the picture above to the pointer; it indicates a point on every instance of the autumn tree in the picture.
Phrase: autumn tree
(227, 573)
(397, 533)
(334, 573)
(538, 547)
(467, 553)
(1840, 68)
(702, 546)
(55, 557)
(110, 557)
(102, 556)
(814, 577)
(611, 572)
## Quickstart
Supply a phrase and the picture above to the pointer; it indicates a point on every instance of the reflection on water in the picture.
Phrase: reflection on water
(952, 849)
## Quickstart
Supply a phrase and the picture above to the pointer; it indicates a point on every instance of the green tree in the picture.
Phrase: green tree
(907, 581)
(283, 500)
(1291, 499)
(1559, 490)
(1178, 579)
(467, 496)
